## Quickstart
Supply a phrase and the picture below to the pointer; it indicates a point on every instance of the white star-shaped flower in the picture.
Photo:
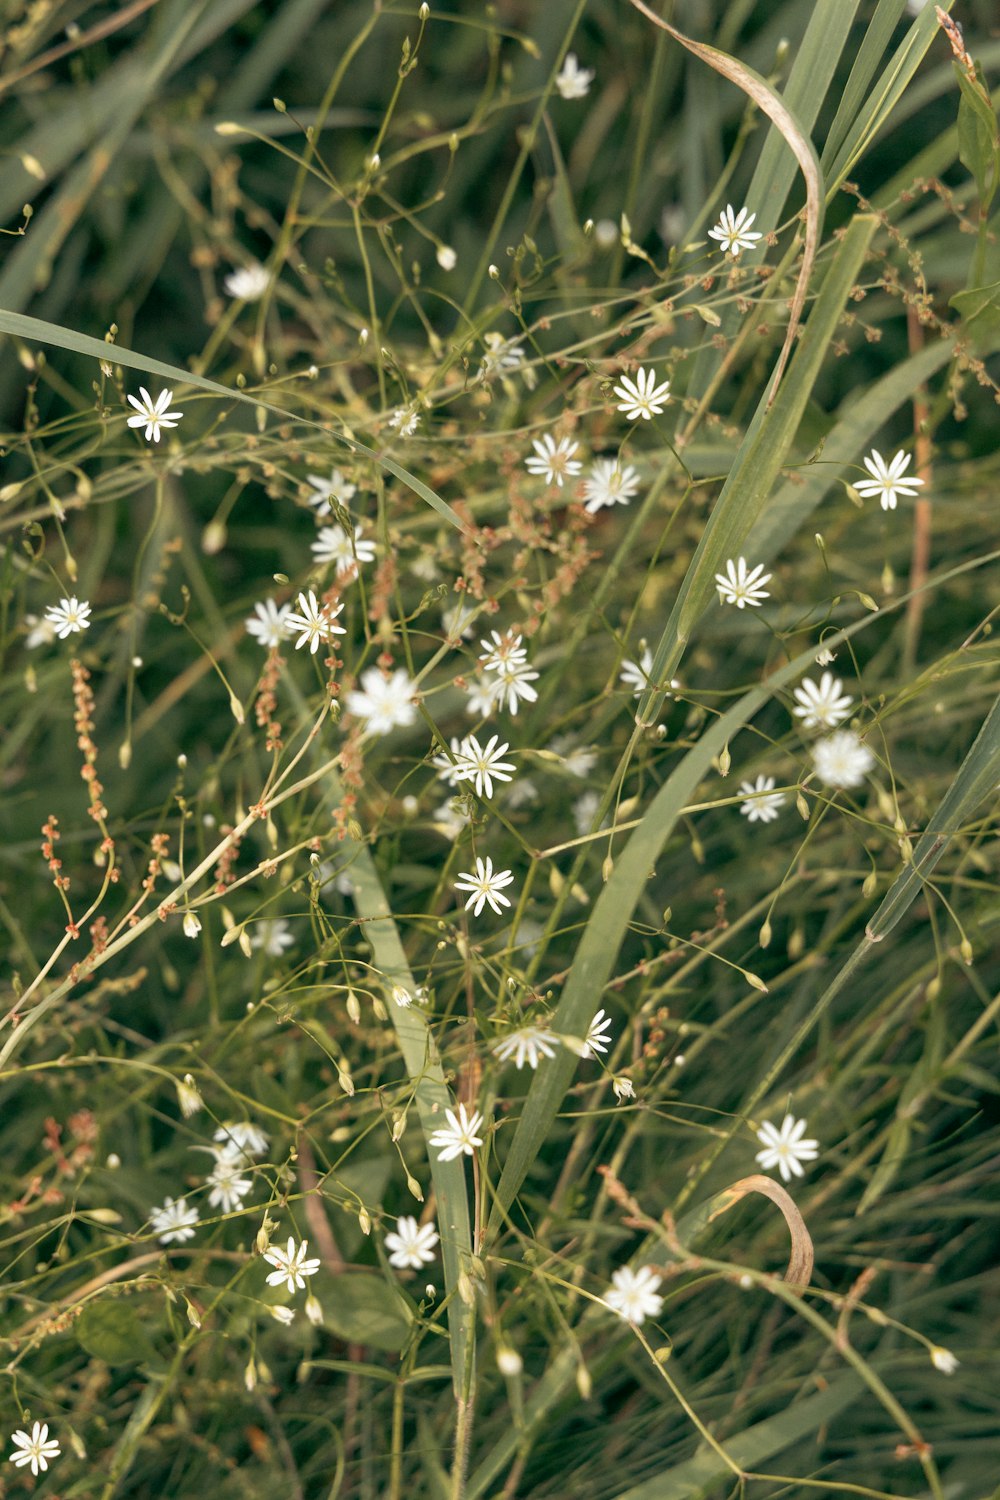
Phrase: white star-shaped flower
(173, 1221)
(316, 622)
(742, 586)
(153, 415)
(763, 803)
(481, 766)
(527, 1045)
(888, 480)
(841, 760)
(460, 1134)
(785, 1148)
(406, 420)
(411, 1244)
(572, 81)
(822, 707)
(513, 682)
(248, 283)
(733, 231)
(642, 397)
(228, 1187)
(383, 702)
(553, 461)
(502, 651)
(292, 1265)
(273, 936)
(35, 1450)
(242, 1139)
(68, 616)
(598, 1036)
(270, 627)
(333, 544)
(609, 484)
(633, 1294)
(486, 885)
(337, 487)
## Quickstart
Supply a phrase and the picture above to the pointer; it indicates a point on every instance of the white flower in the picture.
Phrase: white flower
(314, 1310)
(411, 1244)
(248, 283)
(270, 627)
(189, 1096)
(485, 885)
(332, 544)
(40, 633)
(584, 809)
(228, 1187)
(315, 621)
(513, 682)
(522, 794)
(888, 480)
(506, 357)
(480, 699)
(68, 616)
(609, 484)
(552, 460)
(405, 419)
(740, 585)
(383, 702)
(824, 656)
(633, 1294)
(578, 760)
(449, 823)
(599, 1035)
(504, 650)
(509, 1362)
(527, 1045)
(572, 81)
(824, 706)
(458, 1135)
(447, 765)
(153, 416)
(763, 802)
(242, 1139)
(482, 766)
(292, 1265)
(841, 760)
(272, 935)
(284, 1315)
(623, 1088)
(446, 257)
(173, 1221)
(943, 1360)
(636, 674)
(733, 231)
(642, 397)
(337, 487)
(785, 1148)
(35, 1450)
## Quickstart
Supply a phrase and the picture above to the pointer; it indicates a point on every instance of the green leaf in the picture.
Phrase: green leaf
(979, 309)
(978, 144)
(111, 1331)
(368, 1310)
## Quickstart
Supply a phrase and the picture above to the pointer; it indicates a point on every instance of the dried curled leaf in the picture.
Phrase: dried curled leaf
(798, 1272)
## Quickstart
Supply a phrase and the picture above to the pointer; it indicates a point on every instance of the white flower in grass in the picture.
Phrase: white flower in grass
(505, 357)
(411, 1244)
(553, 461)
(273, 936)
(741, 585)
(460, 1134)
(447, 765)
(637, 675)
(68, 616)
(888, 480)
(292, 1265)
(502, 651)
(513, 683)
(189, 1095)
(486, 885)
(269, 623)
(841, 760)
(228, 1187)
(449, 823)
(578, 760)
(173, 1221)
(522, 794)
(822, 707)
(315, 621)
(446, 257)
(609, 484)
(332, 544)
(599, 1035)
(584, 809)
(763, 803)
(337, 487)
(733, 231)
(242, 1139)
(642, 397)
(633, 1294)
(481, 698)
(36, 1450)
(482, 766)
(153, 415)
(824, 656)
(785, 1148)
(572, 81)
(248, 283)
(943, 1360)
(40, 632)
(405, 420)
(623, 1088)
(383, 702)
(527, 1045)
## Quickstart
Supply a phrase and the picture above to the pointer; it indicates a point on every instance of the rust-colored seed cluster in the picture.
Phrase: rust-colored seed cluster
(266, 703)
(83, 700)
(50, 831)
